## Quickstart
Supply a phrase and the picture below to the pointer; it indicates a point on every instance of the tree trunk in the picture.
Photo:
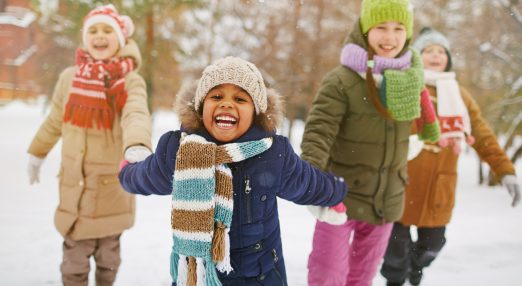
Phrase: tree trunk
(293, 69)
(313, 79)
(148, 59)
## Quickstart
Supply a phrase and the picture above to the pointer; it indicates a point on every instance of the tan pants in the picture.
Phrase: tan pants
(76, 254)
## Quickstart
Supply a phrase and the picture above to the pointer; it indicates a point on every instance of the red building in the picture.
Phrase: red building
(18, 48)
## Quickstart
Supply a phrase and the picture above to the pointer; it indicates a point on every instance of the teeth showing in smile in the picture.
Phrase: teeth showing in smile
(100, 46)
(225, 121)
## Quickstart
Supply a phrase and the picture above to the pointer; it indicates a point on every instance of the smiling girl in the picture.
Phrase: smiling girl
(99, 110)
(225, 169)
(358, 128)
(101, 41)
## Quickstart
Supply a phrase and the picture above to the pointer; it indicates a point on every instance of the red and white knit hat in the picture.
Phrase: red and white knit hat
(107, 14)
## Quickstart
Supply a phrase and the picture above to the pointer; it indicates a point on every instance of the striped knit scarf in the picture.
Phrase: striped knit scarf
(202, 206)
(98, 91)
(401, 85)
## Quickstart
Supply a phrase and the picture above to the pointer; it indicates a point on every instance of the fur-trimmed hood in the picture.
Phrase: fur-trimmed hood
(191, 119)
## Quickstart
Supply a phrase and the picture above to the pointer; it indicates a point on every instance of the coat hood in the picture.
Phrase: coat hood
(191, 119)
(357, 37)
(131, 50)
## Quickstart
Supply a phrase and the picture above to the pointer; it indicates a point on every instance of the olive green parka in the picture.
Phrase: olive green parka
(346, 135)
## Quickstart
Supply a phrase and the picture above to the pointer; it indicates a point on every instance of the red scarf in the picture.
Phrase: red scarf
(98, 91)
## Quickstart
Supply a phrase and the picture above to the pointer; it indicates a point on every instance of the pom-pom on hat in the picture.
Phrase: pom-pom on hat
(236, 71)
(429, 36)
(107, 14)
(374, 12)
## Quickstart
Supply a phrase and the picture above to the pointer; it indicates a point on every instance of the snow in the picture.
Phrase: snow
(17, 16)
(484, 244)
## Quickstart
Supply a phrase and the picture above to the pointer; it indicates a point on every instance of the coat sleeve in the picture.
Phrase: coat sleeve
(323, 122)
(135, 119)
(486, 143)
(154, 175)
(305, 184)
(51, 129)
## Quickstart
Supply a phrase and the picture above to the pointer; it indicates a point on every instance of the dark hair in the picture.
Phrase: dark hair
(450, 63)
(372, 89)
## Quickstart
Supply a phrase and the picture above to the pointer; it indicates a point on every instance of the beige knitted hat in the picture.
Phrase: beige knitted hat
(236, 71)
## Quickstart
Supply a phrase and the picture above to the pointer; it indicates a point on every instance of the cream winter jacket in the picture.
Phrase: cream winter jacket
(92, 202)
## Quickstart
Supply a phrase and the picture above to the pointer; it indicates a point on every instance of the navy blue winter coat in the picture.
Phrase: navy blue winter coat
(256, 250)
(255, 238)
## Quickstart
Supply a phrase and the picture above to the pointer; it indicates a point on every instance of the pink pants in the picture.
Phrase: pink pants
(338, 261)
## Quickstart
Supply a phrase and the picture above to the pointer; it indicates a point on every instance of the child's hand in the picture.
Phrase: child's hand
(513, 188)
(136, 153)
(33, 169)
(332, 215)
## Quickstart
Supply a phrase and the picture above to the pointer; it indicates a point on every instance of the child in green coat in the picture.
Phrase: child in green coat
(358, 128)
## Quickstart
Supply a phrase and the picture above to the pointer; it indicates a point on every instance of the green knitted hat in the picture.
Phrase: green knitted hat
(374, 12)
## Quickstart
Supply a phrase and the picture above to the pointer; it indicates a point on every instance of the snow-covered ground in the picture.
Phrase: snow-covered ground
(484, 238)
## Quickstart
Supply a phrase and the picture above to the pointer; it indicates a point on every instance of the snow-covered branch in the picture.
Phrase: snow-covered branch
(513, 11)
(507, 58)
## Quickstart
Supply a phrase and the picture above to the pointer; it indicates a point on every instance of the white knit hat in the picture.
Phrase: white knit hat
(107, 14)
(428, 36)
(235, 71)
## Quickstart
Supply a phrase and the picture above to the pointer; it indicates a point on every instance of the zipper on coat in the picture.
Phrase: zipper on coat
(248, 191)
(276, 271)
(274, 253)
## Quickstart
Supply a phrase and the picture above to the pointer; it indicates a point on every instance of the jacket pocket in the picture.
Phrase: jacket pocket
(443, 193)
(260, 190)
(358, 180)
(111, 198)
(71, 191)
(276, 276)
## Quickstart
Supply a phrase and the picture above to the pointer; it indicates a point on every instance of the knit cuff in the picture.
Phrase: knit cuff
(430, 132)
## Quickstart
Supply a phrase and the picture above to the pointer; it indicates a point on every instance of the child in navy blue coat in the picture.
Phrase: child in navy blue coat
(224, 170)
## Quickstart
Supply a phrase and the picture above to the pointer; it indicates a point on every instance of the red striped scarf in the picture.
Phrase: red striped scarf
(98, 91)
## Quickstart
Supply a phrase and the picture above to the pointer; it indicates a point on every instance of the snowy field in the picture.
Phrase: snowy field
(484, 238)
